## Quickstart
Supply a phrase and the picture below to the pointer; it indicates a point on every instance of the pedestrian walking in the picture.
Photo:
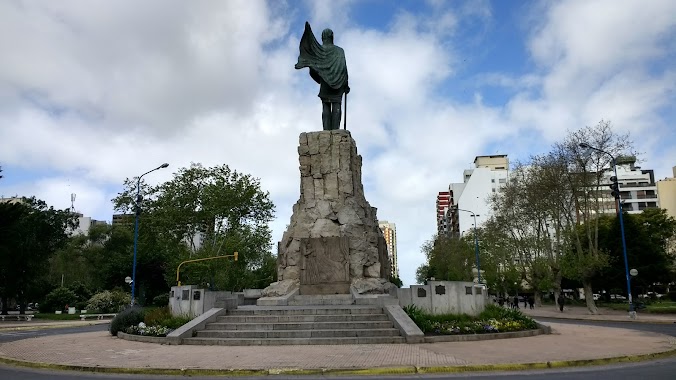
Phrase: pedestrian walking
(531, 302)
(501, 302)
(561, 302)
(525, 302)
(516, 302)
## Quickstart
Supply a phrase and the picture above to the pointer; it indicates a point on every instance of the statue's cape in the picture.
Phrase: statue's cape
(326, 61)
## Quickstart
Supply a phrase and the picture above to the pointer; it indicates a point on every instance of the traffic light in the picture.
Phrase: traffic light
(614, 188)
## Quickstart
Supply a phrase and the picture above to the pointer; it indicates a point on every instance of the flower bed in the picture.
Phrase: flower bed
(156, 322)
(142, 329)
(493, 319)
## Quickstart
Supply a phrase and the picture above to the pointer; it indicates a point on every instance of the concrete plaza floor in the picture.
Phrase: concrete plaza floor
(568, 345)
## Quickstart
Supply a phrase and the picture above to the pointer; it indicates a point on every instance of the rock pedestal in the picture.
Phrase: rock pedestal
(333, 241)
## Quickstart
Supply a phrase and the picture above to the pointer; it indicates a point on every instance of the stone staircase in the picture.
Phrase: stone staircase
(336, 322)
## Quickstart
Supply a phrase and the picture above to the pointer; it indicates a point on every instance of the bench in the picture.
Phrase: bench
(98, 316)
(27, 317)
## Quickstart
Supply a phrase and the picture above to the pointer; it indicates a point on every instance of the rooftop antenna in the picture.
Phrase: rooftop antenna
(72, 202)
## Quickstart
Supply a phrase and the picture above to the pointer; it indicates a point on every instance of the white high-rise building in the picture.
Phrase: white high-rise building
(638, 190)
(390, 233)
(473, 194)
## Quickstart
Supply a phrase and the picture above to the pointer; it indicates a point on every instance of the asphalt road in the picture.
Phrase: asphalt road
(12, 335)
(661, 328)
(657, 370)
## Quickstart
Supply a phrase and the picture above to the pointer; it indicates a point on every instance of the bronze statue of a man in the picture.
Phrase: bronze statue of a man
(329, 69)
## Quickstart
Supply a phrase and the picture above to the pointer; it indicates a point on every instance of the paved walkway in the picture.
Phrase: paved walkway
(100, 351)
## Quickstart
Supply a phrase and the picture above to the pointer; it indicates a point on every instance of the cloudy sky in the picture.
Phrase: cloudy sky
(93, 92)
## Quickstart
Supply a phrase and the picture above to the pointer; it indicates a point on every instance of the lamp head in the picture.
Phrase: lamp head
(584, 145)
(164, 165)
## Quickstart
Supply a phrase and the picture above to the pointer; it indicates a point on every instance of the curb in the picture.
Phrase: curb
(542, 329)
(345, 371)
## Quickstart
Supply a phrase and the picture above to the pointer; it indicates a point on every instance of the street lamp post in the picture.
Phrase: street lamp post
(632, 312)
(137, 211)
(476, 246)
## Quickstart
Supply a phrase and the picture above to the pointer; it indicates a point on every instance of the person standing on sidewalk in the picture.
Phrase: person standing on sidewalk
(516, 301)
(531, 302)
(561, 302)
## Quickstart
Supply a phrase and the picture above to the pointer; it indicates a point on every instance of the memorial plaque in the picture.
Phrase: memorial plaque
(325, 267)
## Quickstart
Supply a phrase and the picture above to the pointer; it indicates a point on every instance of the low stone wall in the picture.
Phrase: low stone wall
(477, 337)
(445, 297)
(142, 338)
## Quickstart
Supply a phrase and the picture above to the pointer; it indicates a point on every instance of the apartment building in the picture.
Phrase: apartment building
(473, 194)
(638, 190)
(390, 233)
(666, 193)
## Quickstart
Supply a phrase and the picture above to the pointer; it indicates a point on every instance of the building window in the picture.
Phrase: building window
(503, 180)
(492, 180)
(493, 190)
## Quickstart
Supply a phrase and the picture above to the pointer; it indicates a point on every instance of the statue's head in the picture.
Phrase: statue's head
(327, 36)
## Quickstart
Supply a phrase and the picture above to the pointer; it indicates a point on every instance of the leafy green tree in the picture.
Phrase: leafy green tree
(448, 259)
(522, 227)
(97, 261)
(646, 237)
(30, 232)
(546, 219)
(200, 213)
(500, 270)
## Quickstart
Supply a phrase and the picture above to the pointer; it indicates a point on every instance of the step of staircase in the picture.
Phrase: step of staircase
(332, 299)
(296, 341)
(299, 325)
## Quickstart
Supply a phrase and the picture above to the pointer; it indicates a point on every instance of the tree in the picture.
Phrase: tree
(546, 219)
(30, 232)
(501, 269)
(583, 257)
(522, 226)
(202, 212)
(448, 259)
(646, 236)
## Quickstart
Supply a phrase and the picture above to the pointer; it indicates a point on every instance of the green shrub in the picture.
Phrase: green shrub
(419, 317)
(57, 299)
(161, 300)
(108, 302)
(161, 316)
(154, 315)
(83, 294)
(125, 319)
(492, 320)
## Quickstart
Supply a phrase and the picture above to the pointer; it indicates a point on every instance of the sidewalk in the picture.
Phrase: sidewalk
(604, 314)
(568, 345)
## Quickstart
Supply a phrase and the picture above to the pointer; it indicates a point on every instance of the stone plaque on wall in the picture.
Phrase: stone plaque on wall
(325, 265)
